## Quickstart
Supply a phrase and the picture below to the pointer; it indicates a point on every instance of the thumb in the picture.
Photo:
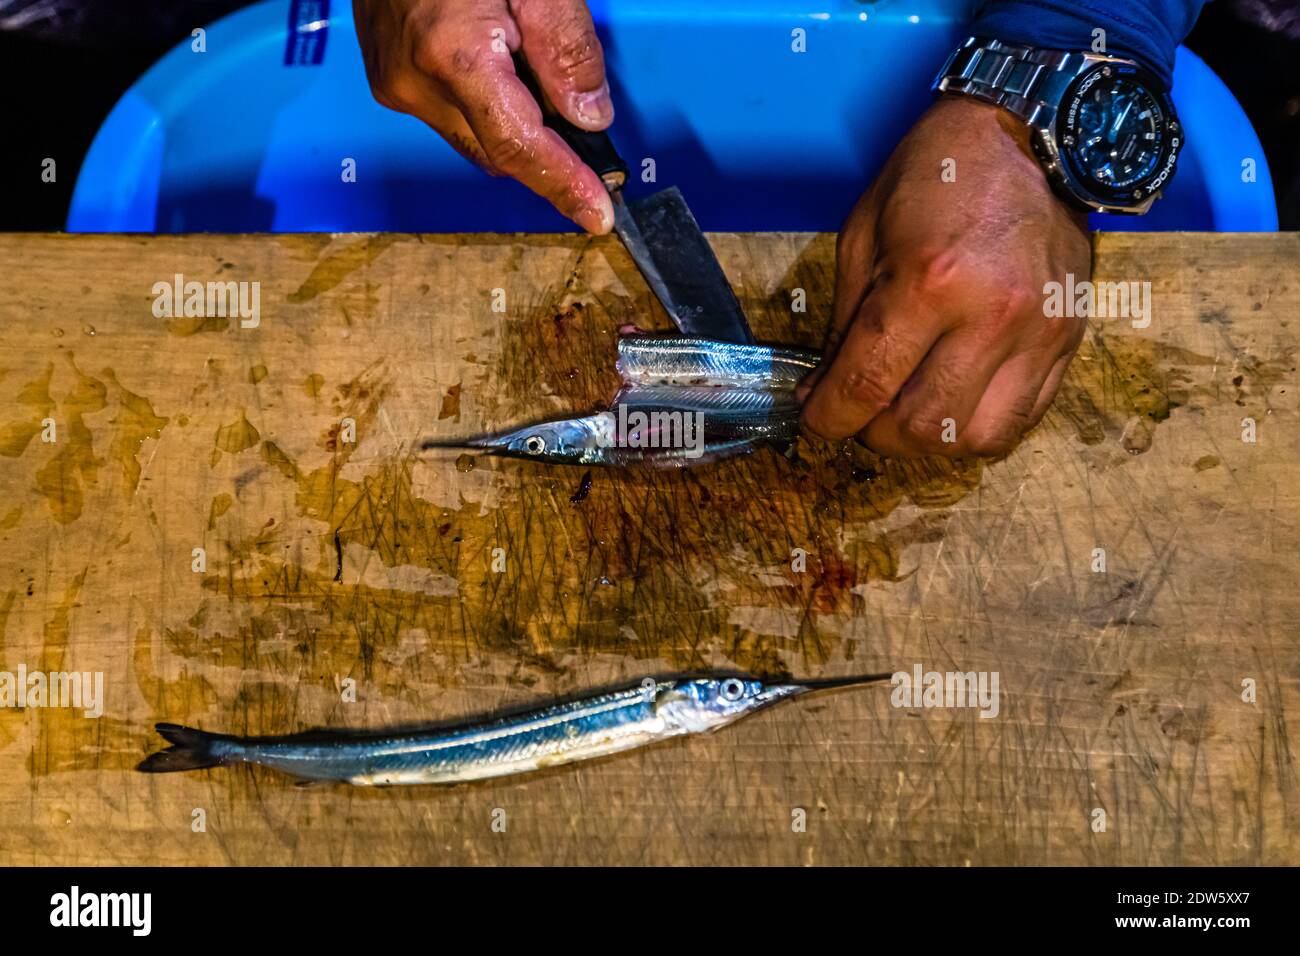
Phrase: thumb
(560, 43)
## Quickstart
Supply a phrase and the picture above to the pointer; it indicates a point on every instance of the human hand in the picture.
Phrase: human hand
(939, 329)
(449, 63)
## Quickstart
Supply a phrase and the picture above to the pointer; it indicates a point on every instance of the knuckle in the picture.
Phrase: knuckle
(426, 57)
(381, 96)
(862, 388)
(945, 384)
(941, 267)
(439, 55)
(430, 58)
(925, 432)
(508, 154)
(1011, 300)
(577, 53)
(396, 92)
(461, 63)
(947, 275)
(468, 147)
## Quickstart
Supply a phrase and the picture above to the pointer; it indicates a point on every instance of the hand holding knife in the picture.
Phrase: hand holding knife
(660, 234)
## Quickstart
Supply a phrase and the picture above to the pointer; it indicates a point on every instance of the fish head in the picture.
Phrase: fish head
(570, 440)
(705, 703)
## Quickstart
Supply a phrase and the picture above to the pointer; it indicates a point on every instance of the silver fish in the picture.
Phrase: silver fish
(723, 399)
(595, 440)
(562, 733)
(678, 360)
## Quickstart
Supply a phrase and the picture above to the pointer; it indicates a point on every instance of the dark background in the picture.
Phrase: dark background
(55, 94)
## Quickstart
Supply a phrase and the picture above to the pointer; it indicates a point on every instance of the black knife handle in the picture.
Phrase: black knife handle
(595, 149)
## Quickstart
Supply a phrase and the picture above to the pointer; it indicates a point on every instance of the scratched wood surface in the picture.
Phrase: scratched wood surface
(1120, 691)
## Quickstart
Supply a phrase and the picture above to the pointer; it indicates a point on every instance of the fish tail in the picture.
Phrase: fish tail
(190, 750)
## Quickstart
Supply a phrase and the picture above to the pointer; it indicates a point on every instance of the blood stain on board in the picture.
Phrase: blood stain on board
(450, 404)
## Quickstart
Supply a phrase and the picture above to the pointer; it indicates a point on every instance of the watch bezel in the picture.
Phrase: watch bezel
(1141, 195)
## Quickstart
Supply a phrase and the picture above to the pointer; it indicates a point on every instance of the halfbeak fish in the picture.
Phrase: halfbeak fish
(685, 401)
(554, 735)
(610, 439)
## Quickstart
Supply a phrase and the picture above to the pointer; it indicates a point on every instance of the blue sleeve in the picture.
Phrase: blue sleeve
(1144, 30)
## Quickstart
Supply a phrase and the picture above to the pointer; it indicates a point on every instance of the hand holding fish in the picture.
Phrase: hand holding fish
(939, 294)
(449, 63)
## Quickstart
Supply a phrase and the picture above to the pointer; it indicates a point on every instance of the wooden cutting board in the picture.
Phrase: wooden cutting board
(1146, 712)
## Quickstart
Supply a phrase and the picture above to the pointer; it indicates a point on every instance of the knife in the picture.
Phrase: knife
(660, 234)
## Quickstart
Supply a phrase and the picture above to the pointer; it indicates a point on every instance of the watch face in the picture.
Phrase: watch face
(1118, 135)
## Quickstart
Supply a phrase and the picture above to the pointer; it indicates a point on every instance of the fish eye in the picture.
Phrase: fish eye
(732, 689)
(535, 444)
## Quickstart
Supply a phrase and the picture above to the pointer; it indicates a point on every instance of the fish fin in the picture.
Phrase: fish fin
(191, 750)
(311, 784)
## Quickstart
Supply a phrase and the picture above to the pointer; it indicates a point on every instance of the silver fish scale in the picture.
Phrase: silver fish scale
(645, 359)
(725, 412)
(734, 402)
(510, 745)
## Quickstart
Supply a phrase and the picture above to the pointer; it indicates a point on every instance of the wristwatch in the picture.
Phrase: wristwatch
(1103, 128)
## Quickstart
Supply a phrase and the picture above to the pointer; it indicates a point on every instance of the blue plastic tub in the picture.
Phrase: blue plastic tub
(251, 135)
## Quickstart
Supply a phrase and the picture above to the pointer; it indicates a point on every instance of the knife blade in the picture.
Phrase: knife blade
(661, 235)
(668, 247)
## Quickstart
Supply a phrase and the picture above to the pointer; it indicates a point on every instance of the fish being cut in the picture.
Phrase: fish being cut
(685, 401)
(678, 360)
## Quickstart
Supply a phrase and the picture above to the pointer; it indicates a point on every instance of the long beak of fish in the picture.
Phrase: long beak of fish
(778, 691)
(833, 682)
(484, 442)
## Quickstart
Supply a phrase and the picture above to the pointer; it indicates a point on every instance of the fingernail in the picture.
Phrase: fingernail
(594, 110)
(597, 221)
